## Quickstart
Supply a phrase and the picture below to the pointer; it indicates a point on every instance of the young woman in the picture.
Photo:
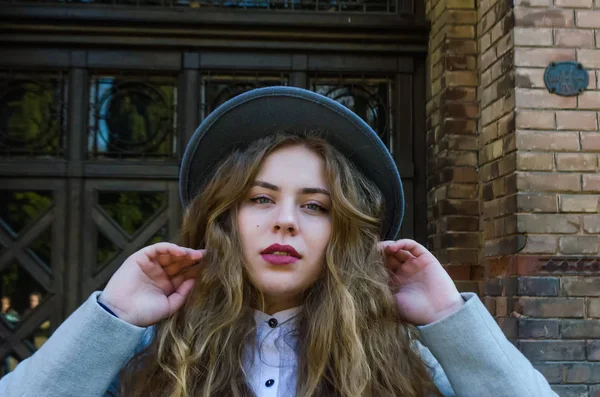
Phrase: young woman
(287, 281)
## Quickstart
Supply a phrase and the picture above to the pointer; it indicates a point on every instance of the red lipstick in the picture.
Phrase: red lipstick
(277, 254)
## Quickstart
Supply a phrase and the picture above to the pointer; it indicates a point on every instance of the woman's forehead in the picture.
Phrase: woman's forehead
(293, 166)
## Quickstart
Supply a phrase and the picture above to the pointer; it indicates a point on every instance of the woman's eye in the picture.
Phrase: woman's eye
(315, 207)
(261, 200)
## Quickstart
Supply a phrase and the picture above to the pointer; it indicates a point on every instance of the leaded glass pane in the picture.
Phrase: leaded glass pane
(131, 210)
(20, 294)
(32, 114)
(370, 98)
(105, 250)
(160, 236)
(40, 335)
(218, 88)
(41, 248)
(8, 364)
(133, 117)
(21, 208)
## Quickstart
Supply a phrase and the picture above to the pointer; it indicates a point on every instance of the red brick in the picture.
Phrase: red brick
(577, 245)
(584, 286)
(589, 58)
(498, 109)
(588, 19)
(580, 329)
(538, 329)
(460, 31)
(547, 140)
(529, 98)
(589, 100)
(591, 183)
(461, 78)
(576, 162)
(529, 78)
(537, 351)
(542, 244)
(590, 141)
(575, 38)
(578, 203)
(593, 307)
(550, 307)
(533, 3)
(533, 36)
(591, 224)
(551, 371)
(548, 182)
(574, 3)
(593, 350)
(577, 373)
(548, 223)
(462, 16)
(535, 161)
(527, 202)
(541, 57)
(576, 120)
(535, 119)
(468, 4)
(550, 18)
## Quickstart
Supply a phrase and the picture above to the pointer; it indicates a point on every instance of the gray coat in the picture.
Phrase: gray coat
(467, 352)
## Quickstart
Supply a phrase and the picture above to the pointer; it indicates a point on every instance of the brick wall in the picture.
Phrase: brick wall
(537, 175)
(452, 111)
(557, 143)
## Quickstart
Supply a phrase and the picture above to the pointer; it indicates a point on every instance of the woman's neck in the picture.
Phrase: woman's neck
(276, 305)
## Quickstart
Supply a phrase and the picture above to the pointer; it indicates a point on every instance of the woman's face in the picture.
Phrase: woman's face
(285, 225)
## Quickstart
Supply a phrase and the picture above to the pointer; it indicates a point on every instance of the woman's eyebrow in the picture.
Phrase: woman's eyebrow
(305, 190)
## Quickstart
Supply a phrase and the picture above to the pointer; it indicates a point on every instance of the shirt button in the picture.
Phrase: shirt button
(273, 323)
(269, 383)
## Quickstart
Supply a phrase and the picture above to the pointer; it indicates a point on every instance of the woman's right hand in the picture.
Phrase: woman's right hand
(152, 283)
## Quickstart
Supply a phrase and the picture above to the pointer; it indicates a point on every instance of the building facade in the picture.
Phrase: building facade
(99, 98)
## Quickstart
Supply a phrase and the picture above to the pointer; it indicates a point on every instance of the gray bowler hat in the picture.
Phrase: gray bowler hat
(259, 112)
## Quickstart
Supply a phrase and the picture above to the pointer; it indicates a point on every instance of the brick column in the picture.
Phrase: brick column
(453, 215)
(540, 186)
(497, 157)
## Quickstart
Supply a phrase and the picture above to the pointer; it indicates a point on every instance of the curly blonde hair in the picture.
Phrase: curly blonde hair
(352, 341)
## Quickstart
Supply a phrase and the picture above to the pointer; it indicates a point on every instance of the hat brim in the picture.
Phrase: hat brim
(257, 113)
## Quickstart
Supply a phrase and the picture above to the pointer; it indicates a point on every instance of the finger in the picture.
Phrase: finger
(178, 266)
(185, 274)
(402, 255)
(411, 246)
(188, 254)
(382, 245)
(177, 298)
(160, 249)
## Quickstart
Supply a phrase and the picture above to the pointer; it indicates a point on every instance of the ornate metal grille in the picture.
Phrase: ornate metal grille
(219, 87)
(132, 116)
(30, 245)
(130, 212)
(357, 6)
(32, 113)
(369, 97)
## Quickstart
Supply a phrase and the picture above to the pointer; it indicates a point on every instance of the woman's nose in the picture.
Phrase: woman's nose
(286, 220)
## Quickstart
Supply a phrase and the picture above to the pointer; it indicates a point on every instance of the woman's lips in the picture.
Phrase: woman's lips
(279, 259)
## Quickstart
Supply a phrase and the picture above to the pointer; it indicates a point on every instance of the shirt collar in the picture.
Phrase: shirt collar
(288, 316)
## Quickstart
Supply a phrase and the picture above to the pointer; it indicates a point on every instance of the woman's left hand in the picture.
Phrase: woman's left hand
(425, 292)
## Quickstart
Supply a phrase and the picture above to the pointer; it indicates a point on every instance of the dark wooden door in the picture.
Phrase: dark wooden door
(97, 103)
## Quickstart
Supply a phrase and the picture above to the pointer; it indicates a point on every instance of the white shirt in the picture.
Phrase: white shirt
(271, 368)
